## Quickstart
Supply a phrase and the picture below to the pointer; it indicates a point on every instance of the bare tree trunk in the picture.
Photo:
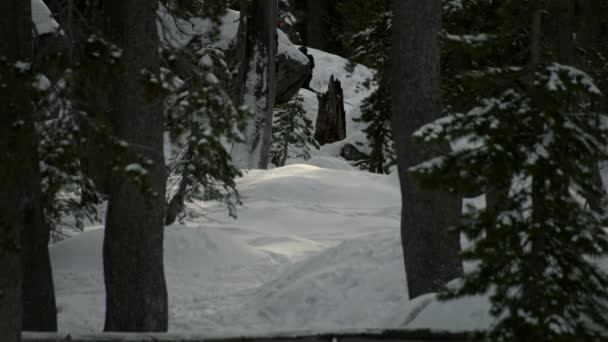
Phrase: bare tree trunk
(316, 23)
(18, 158)
(255, 85)
(136, 293)
(39, 308)
(431, 253)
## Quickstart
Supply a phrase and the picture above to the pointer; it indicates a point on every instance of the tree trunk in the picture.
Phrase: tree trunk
(316, 23)
(431, 252)
(331, 117)
(136, 293)
(18, 158)
(39, 308)
(256, 81)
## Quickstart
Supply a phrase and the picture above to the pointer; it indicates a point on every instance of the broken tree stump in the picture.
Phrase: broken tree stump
(331, 118)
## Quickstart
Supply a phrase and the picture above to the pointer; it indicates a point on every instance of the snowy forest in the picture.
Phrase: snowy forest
(187, 170)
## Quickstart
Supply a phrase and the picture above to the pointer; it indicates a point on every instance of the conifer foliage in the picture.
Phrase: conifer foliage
(525, 125)
(375, 111)
(293, 134)
(371, 46)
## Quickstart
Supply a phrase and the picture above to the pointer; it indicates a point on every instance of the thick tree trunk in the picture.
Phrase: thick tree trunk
(18, 158)
(136, 293)
(431, 253)
(331, 117)
(316, 23)
(255, 85)
(39, 308)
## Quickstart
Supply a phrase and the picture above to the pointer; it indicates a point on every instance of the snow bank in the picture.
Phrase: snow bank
(42, 19)
(358, 284)
(226, 277)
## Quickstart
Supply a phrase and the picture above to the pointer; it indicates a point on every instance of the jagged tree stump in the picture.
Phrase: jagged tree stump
(331, 118)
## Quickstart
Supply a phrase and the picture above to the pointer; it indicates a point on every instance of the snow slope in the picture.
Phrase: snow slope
(308, 249)
(355, 88)
(313, 250)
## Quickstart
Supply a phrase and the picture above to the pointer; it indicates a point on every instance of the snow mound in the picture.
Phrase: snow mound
(463, 314)
(199, 264)
(330, 163)
(358, 284)
(325, 188)
(216, 271)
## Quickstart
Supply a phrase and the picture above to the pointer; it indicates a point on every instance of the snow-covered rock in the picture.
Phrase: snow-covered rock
(42, 19)
(292, 65)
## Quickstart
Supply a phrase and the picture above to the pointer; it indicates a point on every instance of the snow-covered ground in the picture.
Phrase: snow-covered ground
(316, 247)
(313, 249)
(310, 251)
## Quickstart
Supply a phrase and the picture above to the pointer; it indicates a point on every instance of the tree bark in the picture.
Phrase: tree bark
(136, 293)
(18, 158)
(316, 23)
(255, 84)
(331, 117)
(39, 307)
(431, 253)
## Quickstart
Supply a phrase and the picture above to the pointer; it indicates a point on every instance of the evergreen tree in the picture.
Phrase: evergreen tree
(371, 46)
(288, 21)
(292, 132)
(525, 123)
(202, 119)
(376, 113)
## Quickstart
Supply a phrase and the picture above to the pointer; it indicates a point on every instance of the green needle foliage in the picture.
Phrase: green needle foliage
(527, 130)
(371, 47)
(293, 134)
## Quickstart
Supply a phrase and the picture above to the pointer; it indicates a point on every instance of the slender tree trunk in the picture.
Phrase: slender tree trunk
(18, 158)
(431, 253)
(255, 85)
(136, 293)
